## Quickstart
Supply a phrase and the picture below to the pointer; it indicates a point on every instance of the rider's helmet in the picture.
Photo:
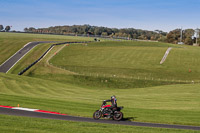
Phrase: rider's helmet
(114, 97)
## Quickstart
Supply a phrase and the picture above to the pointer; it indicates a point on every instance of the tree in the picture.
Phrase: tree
(25, 29)
(7, 28)
(163, 39)
(1, 27)
(173, 36)
(32, 29)
(189, 41)
(97, 31)
(104, 31)
(104, 34)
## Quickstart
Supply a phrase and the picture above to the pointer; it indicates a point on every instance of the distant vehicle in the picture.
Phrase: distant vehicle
(106, 112)
(180, 43)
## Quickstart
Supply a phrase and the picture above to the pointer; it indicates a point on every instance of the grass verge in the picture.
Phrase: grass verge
(32, 125)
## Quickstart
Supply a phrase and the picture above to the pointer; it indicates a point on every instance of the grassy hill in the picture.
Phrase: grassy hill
(132, 60)
(76, 80)
(118, 65)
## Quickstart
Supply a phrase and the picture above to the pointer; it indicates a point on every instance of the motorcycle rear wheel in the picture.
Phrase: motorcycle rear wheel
(118, 116)
(97, 115)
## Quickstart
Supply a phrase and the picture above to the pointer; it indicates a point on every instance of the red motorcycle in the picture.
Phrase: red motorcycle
(106, 112)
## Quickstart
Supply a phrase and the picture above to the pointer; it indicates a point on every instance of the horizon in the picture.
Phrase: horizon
(138, 14)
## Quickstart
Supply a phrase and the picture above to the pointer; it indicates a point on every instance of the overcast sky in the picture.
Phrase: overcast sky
(164, 15)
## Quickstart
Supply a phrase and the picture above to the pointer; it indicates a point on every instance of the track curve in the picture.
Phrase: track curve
(9, 63)
(8, 111)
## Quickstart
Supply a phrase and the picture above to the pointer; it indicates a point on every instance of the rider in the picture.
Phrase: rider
(113, 101)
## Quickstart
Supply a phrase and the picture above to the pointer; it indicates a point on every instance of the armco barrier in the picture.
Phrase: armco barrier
(23, 71)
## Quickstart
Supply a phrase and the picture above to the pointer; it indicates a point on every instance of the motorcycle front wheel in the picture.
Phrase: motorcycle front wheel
(97, 115)
(118, 115)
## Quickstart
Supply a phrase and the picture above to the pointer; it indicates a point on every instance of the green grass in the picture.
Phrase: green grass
(127, 64)
(12, 42)
(79, 77)
(174, 104)
(25, 124)
(131, 60)
(96, 67)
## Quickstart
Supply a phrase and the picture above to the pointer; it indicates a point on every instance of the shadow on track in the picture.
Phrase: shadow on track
(128, 118)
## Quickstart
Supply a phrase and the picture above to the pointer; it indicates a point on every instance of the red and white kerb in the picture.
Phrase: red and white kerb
(32, 110)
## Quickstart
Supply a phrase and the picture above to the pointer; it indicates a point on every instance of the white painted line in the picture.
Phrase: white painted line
(165, 55)
(20, 58)
(27, 44)
(14, 54)
(25, 109)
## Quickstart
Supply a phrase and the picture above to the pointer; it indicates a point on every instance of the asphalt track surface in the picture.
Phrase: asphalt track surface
(8, 64)
(8, 111)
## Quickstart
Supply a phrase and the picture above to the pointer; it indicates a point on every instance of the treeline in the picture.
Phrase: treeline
(129, 33)
(173, 36)
(7, 28)
(188, 37)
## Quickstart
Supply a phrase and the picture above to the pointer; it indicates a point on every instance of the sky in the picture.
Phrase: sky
(151, 15)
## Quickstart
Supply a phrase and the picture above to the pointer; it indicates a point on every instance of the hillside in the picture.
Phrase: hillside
(164, 104)
(128, 64)
(76, 79)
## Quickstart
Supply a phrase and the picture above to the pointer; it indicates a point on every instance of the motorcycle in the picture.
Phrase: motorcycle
(106, 112)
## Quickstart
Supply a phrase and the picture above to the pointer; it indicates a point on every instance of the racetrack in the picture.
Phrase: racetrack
(9, 111)
(9, 63)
